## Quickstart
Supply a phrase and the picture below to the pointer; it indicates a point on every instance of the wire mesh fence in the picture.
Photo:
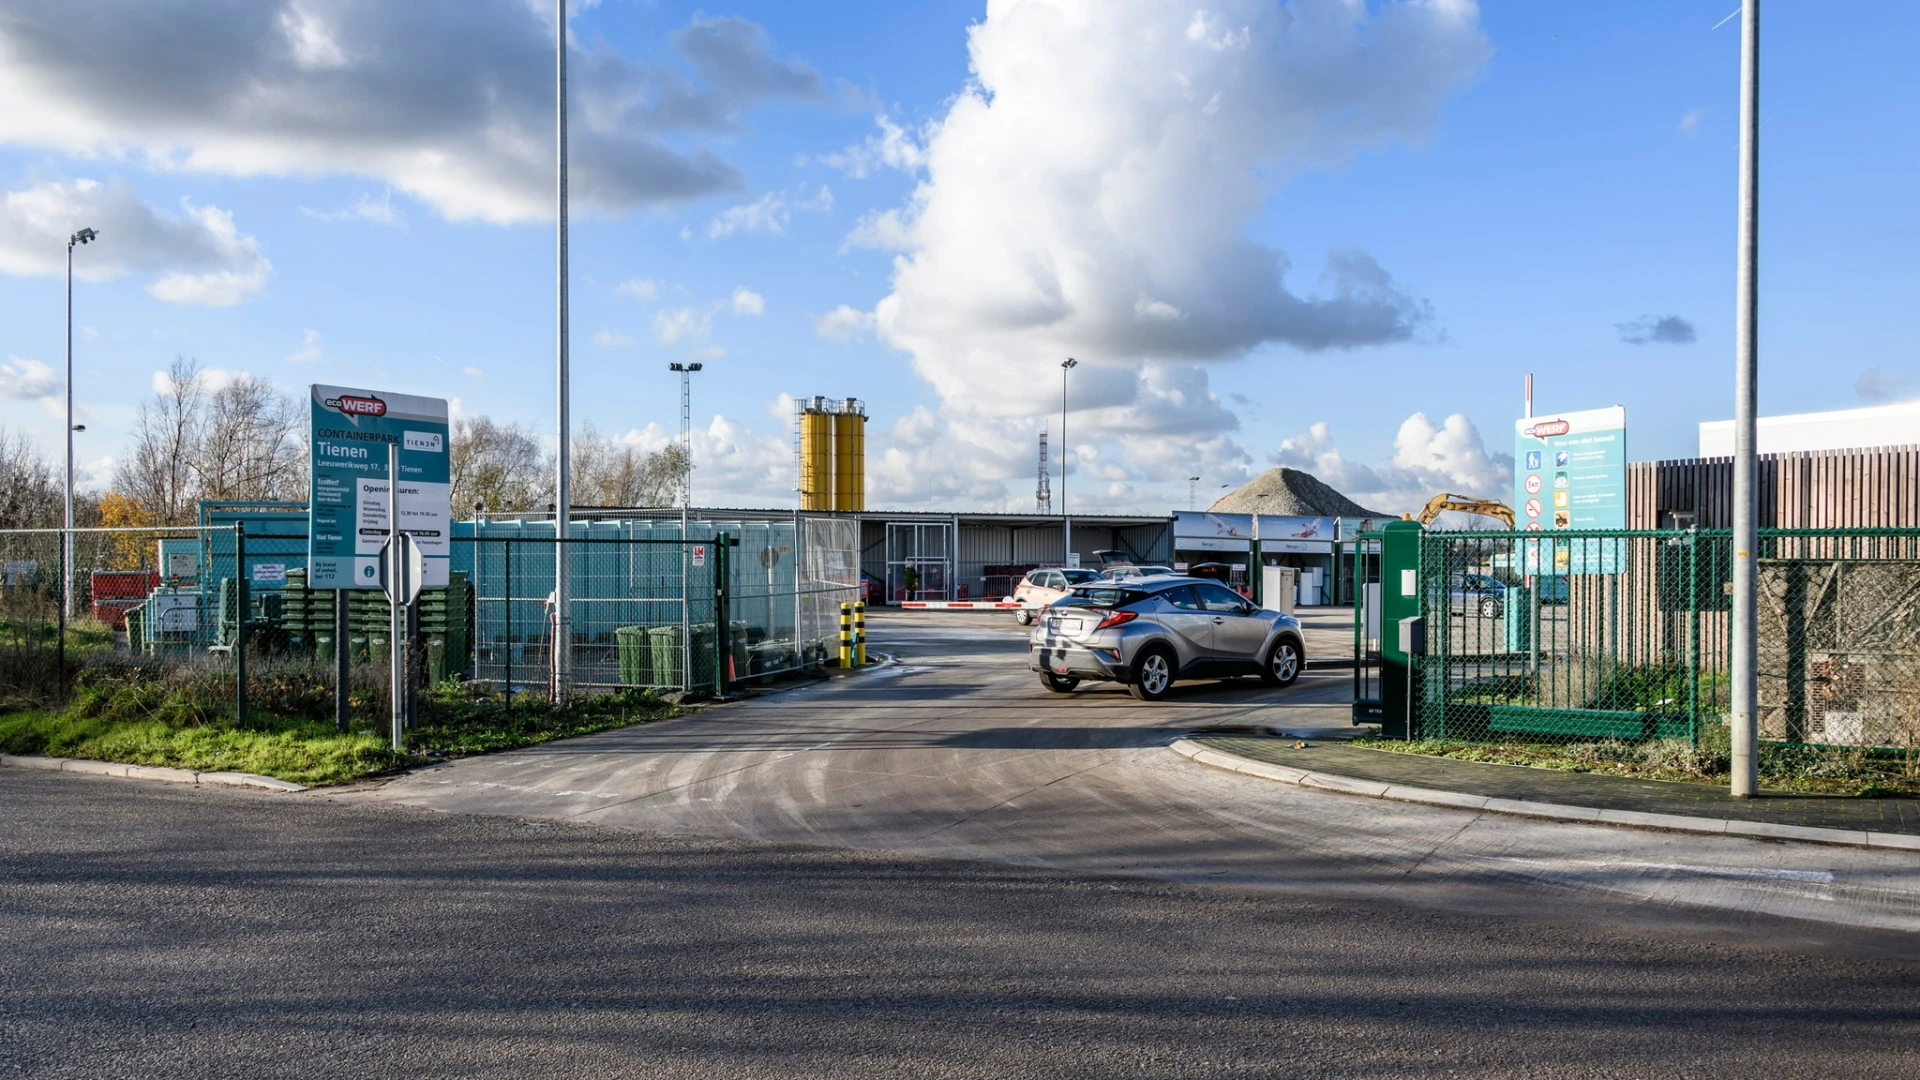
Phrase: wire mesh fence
(1626, 635)
(183, 606)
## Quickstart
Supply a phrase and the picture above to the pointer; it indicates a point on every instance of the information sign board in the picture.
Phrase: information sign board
(350, 432)
(1570, 472)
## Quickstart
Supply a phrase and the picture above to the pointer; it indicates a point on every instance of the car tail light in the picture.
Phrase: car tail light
(1116, 619)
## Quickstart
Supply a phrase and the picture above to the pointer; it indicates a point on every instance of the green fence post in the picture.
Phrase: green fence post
(240, 606)
(722, 617)
(1399, 598)
(1693, 632)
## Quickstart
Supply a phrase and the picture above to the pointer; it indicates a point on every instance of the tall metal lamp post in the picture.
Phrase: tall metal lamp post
(1193, 492)
(563, 458)
(1066, 519)
(1745, 779)
(84, 236)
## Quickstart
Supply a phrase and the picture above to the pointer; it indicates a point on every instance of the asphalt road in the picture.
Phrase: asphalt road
(148, 930)
(957, 752)
(939, 870)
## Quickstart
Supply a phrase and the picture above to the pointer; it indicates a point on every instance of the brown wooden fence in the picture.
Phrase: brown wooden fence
(1830, 489)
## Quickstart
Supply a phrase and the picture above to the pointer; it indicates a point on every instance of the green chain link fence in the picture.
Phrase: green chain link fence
(1625, 635)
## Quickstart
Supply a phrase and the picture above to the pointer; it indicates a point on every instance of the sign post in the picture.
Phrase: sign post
(379, 469)
(401, 572)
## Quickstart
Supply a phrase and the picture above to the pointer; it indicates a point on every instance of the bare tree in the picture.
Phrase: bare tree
(158, 472)
(613, 472)
(252, 449)
(500, 465)
(29, 493)
(241, 442)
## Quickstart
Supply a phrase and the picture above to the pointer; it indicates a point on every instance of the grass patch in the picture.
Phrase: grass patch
(182, 716)
(1783, 766)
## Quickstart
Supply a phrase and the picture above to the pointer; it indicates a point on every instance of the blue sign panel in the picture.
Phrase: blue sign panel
(1572, 475)
(349, 496)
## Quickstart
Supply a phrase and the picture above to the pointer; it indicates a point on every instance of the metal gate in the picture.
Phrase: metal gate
(919, 560)
(1366, 627)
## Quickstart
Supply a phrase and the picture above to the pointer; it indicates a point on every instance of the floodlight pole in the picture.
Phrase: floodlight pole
(66, 534)
(1745, 782)
(562, 490)
(1066, 519)
(686, 506)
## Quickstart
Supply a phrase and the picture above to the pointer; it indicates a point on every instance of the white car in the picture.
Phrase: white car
(1042, 587)
(1130, 572)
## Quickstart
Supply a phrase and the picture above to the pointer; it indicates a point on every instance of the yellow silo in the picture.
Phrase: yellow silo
(849, 457)
(816, 456)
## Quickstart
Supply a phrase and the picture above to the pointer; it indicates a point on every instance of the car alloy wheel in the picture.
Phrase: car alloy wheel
(1024, 617)
(1283, 664)
(1152, 676)
(1489, 607)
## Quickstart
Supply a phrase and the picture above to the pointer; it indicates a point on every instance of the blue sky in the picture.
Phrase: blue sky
(1530, 176)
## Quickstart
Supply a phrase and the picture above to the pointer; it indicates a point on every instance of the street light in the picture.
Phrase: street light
(563, 389)
(1066, 519)
(1744, 696)
(84, 236)
(1193, 492)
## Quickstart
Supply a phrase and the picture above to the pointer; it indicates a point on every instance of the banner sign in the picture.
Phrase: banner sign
(1570, 472)
(351, 430)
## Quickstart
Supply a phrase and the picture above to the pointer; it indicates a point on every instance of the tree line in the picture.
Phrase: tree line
(244, 440)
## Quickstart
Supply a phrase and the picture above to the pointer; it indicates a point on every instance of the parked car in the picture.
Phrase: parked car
(1042, 587)
(1130, 572)
(1216, 571)
(871, 590)
(1151, 632)
(1481, 593)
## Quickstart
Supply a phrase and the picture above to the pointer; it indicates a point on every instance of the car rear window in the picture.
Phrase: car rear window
(1107, 596)
(1075, 577)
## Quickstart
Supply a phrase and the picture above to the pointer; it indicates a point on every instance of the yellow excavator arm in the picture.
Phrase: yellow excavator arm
(1450, 501)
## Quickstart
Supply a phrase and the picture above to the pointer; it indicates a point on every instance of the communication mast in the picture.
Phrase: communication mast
(1043, 490)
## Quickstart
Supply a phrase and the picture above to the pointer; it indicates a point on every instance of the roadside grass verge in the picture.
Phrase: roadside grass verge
(1788, 767)
(182, 716)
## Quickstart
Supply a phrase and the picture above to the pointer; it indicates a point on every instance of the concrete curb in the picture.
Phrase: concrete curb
(1455, 800)
(149, 772)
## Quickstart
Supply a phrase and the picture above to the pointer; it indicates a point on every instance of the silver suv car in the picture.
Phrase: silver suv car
(1149, 632)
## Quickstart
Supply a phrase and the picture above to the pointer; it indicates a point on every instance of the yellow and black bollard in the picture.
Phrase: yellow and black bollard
(859, 633)
(846, 635)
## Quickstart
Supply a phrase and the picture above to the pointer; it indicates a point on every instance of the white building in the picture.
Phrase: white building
(1845, 429)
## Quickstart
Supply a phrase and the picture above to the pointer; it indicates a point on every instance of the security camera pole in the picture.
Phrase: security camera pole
(1746, 628)
(562, 492)
(66, 536)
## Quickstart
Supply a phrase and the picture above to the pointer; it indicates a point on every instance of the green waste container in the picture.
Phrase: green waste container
(636, 655)
(664, 642)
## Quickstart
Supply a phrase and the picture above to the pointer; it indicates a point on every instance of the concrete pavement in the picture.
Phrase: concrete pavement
(958, 752)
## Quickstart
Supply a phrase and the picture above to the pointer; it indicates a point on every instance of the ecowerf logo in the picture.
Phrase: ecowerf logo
(1550, 427)
(356, 406)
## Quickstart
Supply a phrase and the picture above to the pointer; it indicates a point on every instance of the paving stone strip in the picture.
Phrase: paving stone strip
(1594, 791)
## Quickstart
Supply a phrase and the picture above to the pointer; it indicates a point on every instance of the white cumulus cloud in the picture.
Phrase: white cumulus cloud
(198, 256)
(23, 380)
(309, 351)
(451, 103)
(748, 302)
(1102, 208)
